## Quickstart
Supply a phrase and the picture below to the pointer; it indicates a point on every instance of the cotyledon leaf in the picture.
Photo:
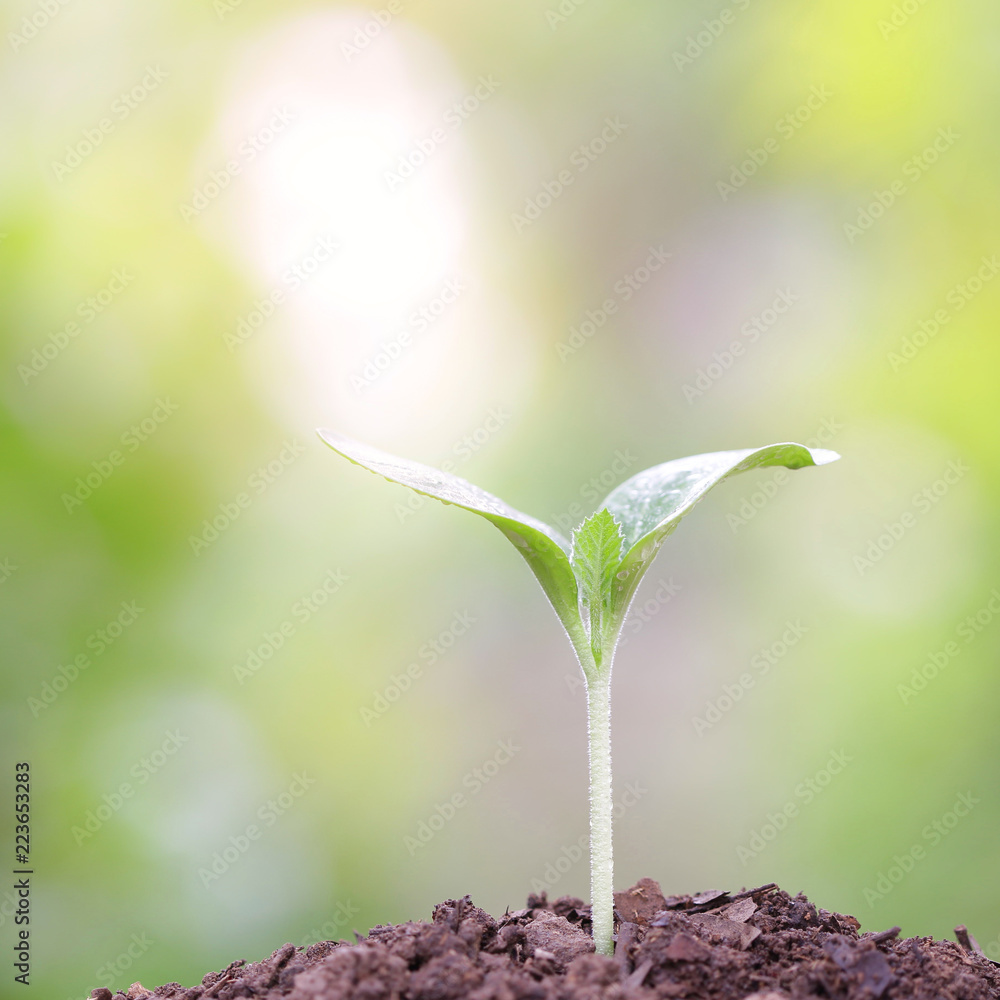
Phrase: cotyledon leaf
(650, 505)
(543, 548)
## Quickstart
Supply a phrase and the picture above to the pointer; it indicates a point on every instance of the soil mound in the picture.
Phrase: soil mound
(760, 944)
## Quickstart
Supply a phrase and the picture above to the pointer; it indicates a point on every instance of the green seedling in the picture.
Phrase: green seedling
(591, 582)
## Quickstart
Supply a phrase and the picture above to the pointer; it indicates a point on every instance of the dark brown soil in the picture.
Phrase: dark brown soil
(760, 944)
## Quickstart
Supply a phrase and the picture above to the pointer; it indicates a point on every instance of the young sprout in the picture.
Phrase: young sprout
(591, 582)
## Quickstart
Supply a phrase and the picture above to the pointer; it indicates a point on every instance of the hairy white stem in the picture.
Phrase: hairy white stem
(601, 811)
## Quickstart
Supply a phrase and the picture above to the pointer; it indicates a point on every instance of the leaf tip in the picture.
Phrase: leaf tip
(338, 442)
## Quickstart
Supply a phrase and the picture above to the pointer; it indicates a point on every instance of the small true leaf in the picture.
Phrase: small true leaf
(597, 551)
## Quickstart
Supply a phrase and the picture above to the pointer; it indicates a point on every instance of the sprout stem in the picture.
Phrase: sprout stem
(601, 810)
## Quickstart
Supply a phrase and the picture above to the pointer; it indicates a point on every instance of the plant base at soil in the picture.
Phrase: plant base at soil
(760, 944)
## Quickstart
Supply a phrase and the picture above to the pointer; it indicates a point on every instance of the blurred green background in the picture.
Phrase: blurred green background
(523, 238)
